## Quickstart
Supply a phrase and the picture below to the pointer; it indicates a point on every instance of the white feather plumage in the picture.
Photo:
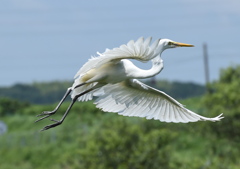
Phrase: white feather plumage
(144, 101)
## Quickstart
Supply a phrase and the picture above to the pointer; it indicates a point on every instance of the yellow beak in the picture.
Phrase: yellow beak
(178, 44)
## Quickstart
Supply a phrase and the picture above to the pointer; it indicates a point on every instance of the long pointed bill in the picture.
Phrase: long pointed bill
(178, 44)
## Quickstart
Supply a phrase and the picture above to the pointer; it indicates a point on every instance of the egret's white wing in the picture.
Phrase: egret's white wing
(133, 98)
(140, 50)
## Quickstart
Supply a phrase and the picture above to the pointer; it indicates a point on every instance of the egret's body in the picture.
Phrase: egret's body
(112, 78)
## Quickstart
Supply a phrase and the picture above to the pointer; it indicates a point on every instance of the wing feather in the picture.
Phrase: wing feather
(109, 105)
(173, 114)
(140, 50)
(184, 117)
(166, 114)
(143, 109)
(177, 115)
(153, 111)
(138, 46)
(133, 98)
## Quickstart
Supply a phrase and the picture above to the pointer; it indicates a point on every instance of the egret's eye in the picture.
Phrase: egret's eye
(170, 43)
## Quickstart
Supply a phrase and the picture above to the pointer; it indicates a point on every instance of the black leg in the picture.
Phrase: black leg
(67, 111)
(62, 119)
(46, 114)
(49, 113)
(79, 85)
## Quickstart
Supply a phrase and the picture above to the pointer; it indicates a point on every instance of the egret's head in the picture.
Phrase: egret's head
(167, 43)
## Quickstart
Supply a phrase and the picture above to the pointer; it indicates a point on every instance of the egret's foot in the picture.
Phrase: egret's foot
(55, 120)
(52, 125)
(45, 114)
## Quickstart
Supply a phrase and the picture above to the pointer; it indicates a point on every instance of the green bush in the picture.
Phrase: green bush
(225, 99)
(11, 106)
(120, 143)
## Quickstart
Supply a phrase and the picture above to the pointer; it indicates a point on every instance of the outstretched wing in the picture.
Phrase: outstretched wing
(133, 98)
(140, 50)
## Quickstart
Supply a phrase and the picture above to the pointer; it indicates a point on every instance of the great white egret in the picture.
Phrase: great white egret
(112, 78)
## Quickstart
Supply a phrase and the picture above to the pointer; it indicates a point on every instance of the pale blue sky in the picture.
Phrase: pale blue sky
(45, 40)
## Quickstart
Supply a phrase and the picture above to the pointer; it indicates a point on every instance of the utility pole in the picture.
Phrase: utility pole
(206, 66)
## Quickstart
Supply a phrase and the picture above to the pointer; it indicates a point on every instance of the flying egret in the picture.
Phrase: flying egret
(112, 78)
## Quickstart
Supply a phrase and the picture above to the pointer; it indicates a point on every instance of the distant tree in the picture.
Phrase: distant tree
(21, 92)
(51, 92)
(179, 90)
(225, 98)
(39, 93)
(11, 106)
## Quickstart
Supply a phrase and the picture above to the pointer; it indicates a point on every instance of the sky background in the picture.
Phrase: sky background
(46, 40)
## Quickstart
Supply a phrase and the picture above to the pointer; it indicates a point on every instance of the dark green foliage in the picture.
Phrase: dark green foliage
(39, 93)
(10, 106)
(20, 92)
(51, 92)
(123, 143)
(225, 98)
(179, 90)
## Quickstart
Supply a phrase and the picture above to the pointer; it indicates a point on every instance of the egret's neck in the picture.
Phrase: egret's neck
(135, 72)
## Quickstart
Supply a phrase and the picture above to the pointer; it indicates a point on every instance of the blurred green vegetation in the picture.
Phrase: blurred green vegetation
(38, 93)
(90, 138)
(51, 92)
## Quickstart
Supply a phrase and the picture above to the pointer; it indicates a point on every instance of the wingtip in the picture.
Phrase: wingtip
(218, 118)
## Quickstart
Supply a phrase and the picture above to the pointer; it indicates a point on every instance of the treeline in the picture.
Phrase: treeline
(178, 90)
(51, 92)
(37, 93)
